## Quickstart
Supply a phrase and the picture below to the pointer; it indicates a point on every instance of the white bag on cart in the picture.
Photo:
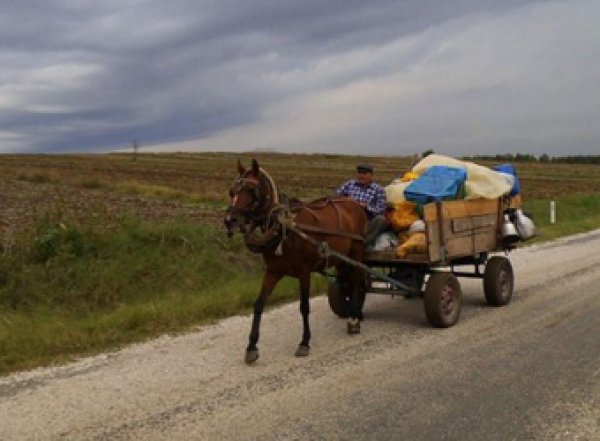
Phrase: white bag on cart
(525, 226)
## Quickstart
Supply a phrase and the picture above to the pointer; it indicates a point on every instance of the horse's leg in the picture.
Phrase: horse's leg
(357, 298)
(356, 279)
(270, 279)
(303, 347)
(355, 309)
(348, 284)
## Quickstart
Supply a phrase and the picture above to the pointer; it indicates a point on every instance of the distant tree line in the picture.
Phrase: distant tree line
(545, 158)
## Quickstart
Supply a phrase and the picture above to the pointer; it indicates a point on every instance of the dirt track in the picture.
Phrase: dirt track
(530, 370)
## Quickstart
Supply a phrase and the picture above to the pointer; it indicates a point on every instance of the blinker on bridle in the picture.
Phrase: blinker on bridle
(252, 186)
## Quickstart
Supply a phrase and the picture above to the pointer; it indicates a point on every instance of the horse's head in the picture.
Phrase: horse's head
(248, 197)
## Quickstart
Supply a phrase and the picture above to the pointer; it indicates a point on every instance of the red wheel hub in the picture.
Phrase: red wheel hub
(448, 298)
(503, 282)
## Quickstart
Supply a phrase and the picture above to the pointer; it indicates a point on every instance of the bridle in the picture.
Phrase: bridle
(262, 220)
(263, 203)
(250, 185)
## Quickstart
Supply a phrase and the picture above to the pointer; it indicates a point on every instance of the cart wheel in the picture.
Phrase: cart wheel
(442, 299)
(339, 304)
(498, 281)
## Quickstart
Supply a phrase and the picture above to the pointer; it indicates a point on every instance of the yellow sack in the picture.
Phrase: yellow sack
(404, 214)
(416, 243)
(409, 176)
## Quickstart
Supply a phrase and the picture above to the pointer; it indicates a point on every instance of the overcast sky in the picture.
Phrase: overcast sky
(344, 76)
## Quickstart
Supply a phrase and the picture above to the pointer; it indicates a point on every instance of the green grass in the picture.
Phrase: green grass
(164, 192)
(151, 190)
(574, 214)
(69, 292)
(49, 335)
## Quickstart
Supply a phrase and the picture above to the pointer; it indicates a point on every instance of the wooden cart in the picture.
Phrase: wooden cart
(459, 233)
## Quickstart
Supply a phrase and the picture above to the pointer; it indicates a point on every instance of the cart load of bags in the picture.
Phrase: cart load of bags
(439, 178)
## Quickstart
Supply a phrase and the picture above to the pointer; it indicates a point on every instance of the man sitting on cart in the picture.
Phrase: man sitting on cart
(371, 196)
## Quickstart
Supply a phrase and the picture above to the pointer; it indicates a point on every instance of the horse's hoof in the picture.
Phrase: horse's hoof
(251, 356)
(302, 351)
(353, 326)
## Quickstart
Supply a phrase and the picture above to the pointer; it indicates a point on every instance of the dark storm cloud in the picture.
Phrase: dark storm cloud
(96, 75)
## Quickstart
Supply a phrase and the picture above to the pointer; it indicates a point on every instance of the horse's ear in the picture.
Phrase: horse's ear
(255, 167)
(240, 167)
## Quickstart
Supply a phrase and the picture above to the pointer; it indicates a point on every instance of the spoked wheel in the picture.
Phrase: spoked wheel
(442, 299)
(498, 281)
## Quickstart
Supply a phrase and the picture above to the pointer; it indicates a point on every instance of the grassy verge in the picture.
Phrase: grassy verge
(67, 290)
(574, 214)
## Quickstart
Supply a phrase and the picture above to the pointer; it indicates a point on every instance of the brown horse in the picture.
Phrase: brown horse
(288, 237)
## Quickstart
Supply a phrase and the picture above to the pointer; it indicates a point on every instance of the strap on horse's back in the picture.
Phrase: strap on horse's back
(318, 230)
(321, 204)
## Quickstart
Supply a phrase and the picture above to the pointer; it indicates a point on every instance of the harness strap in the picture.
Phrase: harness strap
(323, 252)
(313, 229)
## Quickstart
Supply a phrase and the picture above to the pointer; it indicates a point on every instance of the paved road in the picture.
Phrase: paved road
(528, 371)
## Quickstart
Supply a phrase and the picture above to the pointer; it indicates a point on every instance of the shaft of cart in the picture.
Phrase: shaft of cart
(326, 251)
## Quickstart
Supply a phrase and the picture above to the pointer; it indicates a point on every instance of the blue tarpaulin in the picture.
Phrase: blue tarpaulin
(511, 170)
(437, 183)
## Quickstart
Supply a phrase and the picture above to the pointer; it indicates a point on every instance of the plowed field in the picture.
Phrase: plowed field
(97, 188)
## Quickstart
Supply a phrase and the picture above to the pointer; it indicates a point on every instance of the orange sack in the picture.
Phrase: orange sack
(416, 243)
(403, 215)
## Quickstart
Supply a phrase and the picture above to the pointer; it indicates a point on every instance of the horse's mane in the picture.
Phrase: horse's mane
(272, 184)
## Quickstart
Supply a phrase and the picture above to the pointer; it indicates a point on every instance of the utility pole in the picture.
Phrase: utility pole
(136, 147)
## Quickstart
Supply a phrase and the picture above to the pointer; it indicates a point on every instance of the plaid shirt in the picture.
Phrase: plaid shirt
(371, 195)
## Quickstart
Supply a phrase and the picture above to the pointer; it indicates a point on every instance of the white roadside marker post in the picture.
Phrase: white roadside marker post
(552, 212)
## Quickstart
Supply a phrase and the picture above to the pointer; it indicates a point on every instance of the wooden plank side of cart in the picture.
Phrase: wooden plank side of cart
(468, 227)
